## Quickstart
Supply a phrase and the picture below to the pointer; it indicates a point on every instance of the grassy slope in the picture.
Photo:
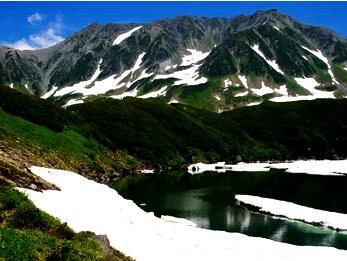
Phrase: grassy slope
(26, 233)
(66, 149)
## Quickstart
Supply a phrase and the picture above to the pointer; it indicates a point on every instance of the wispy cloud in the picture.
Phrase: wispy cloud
(35, 18)
(46, 38)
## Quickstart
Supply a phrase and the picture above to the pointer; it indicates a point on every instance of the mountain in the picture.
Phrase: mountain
(212, 63)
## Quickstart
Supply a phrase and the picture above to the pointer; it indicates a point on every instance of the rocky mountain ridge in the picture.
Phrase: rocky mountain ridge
(211, 63)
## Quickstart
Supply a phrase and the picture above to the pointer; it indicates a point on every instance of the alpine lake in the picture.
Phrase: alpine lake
(208, 199)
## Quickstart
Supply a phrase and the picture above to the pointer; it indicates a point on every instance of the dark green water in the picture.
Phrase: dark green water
(213, 206)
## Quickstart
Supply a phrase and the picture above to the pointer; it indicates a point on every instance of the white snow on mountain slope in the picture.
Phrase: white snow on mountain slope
(173, 101)
(263, 90)
(276, 28)
(50, 93)
(293, 98)
(293, 211)
(160, 92)
(143, 75)
(189, 76)
(253, 103)
(79, 87)
(243, 80)
(310, 84)
(73, 102)
(113, 82)
(227, 83)
(303, 56)
(132, 93)
(217, 97)
(194, 57)
(26, 86)
(122, 37)
(88, 206)
(241, 94)
(320, 56)
(272, 63)
(282, 90)
(11, 85)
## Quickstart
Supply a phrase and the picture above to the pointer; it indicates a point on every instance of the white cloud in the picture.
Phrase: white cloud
(46, 38)
(35, 18)
(22, 44)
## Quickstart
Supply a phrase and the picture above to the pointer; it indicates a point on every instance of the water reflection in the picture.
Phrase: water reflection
(214, 207)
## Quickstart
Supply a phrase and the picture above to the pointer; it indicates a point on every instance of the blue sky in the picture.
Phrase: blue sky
(40, 24)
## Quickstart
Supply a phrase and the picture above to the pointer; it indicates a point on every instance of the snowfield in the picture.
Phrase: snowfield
(188, 76)
(313, 167)
(263, 90)
(320, 56)
(124, 36)
(87, 205)
(272, 63)
(290, 210)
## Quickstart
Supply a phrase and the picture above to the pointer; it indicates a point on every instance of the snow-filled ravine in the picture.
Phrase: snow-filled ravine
(314, 167)
(290, 210)
(87, 205)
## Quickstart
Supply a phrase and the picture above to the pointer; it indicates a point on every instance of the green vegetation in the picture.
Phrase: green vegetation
(339, 72)
(298, 129)
(26, 233)
(107, 136)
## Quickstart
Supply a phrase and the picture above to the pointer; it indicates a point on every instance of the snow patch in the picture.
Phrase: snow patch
(132, 93)
(81, 86)
(11, 85)
(303, 56)
(26, 86)
(173, 101)
(72, 102)
(272, 63)
(188, 76)
(310, 84)
(282, 90)
(217, 97)
(290, 210)
(320, 56)
(312, 167)
(147, 171)
(243, 80)
(241, 94)
(253, 103)
(85, 206)
(194, 57)
(227, 83)
(161, 92)
(276, 28)
(263, 90)
(122, 37)
(50, 93)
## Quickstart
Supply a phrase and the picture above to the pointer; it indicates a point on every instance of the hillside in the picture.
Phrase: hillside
(111, 137)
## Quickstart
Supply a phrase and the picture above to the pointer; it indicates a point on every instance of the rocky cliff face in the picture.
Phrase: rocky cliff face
(212, 63)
